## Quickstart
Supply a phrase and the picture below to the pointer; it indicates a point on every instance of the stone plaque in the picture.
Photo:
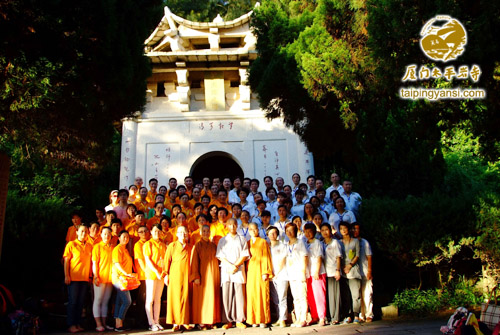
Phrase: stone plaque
(214, 91)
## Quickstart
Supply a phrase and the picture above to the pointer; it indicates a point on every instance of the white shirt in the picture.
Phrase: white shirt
(315, 249)
(263, 233)
(335, 218)
(243, 232)
(333, 188)
(232, 248)
(295, 260)
(233, 197)
(281, 227)
(311, 193)
(298, 210)
(278, 253)
(250, 208)
(333, 250)
(352, 201)
(364, 250)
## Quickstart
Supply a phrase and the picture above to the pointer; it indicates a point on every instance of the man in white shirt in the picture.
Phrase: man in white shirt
(311, 183)
(232, 251)
(365, 267)
(298, 208)
(280, 183)
(335, 179)
(352, 199)
(233, 194)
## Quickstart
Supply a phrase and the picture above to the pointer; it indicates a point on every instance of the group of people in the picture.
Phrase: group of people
(227, 253)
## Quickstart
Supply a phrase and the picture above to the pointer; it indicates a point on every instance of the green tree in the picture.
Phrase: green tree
(341, 64)
(70, 72)
(206, 11)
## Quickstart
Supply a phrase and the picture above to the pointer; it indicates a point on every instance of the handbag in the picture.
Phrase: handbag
(490, 313)
(126, 283)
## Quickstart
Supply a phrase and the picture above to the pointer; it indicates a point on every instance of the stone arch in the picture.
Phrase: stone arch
(216, 164)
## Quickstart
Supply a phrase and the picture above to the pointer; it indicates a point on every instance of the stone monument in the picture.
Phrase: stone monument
(201, 118)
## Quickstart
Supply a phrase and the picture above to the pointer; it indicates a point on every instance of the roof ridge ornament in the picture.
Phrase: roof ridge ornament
(218, 19)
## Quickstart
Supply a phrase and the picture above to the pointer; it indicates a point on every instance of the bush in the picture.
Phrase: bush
(415, 302)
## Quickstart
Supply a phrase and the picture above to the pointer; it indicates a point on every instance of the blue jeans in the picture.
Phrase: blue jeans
(123, 302)
(76, 298)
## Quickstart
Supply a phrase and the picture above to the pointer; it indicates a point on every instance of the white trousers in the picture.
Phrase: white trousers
(366, 298)
(154, 289)
(299, 293)
(102, 293)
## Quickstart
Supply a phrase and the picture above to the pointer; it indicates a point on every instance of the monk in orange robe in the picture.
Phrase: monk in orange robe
(205, 276)
(176, 269)
(141, 203)
(192, 224)
(159, 207)
(218, 229)
(260, 270)
(195, 236)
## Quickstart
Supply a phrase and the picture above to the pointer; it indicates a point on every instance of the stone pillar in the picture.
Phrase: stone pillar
(129, 144)
(183, 90)
(214, 39)
(245, 92)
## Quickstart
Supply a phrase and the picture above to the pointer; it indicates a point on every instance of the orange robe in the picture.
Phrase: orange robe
(142, 206)
(187, 210)
(195, 236)
(217, 231)
(258, 310)
(192, 225)
(71, 234)
(206, 295)
(151, 196)
(151, 222)
(168, 204)
(177, 264)
(193, 202)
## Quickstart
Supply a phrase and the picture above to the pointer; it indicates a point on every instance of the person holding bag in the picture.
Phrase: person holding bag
(122, 267)
(351, 269)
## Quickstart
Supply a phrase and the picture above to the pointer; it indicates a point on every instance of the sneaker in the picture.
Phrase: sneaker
(240, 325)
(347, 320)
(176, 328)
(254, 325)
(109, 327)
(119, 329)
(159, 326)
(356, 320)
(154, 328)
(227, 325)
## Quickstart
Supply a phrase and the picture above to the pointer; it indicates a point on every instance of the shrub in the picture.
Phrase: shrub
(415, 302)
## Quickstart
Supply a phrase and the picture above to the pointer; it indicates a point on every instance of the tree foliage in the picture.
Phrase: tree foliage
(340, 64)
(70, 71)
(205, 11)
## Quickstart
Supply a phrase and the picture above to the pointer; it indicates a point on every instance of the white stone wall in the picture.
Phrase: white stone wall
(165, 147)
